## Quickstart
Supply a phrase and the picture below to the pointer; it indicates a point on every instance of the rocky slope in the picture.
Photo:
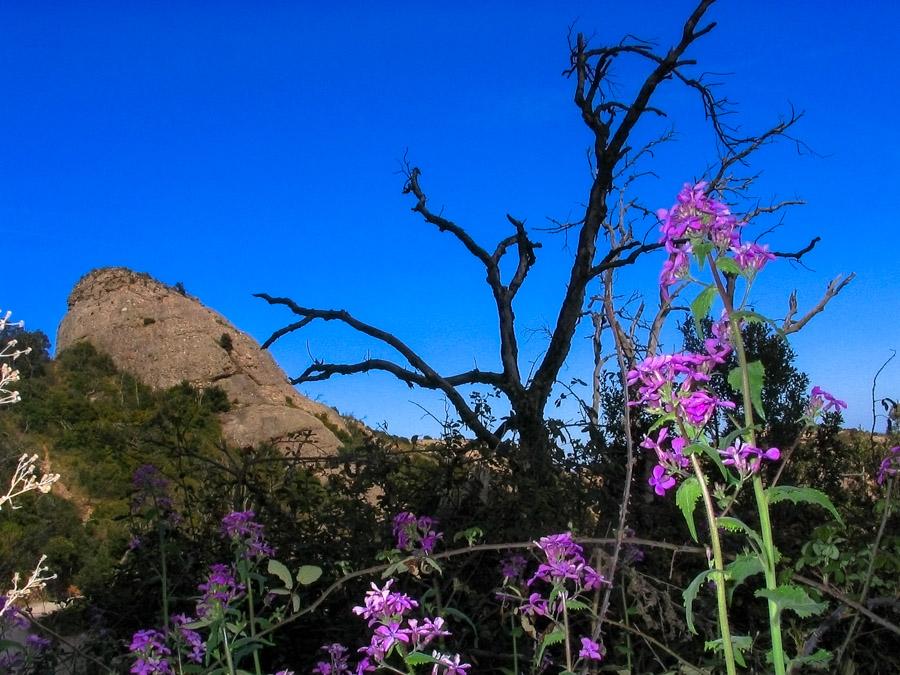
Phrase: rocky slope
(164, 336)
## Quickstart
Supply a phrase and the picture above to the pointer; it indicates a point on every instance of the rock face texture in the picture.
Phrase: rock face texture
(163, 336)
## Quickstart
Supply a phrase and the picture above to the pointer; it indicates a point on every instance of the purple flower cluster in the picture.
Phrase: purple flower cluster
(151, 653)
(565, 561)
(241, 528)
(219, 589)
(193, 643)
(151, 489)
(386, 611)
(337, 661)
(890, 465)
(820, 403)
(746, 458)
(696, 218)
(568, 575)
(416, 534)
(513, 566)
(450, 663)
(675, 383)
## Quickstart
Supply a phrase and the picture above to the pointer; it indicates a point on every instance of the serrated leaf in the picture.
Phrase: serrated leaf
(793, 598)
(701, 249)
(552, 638)
(740, 569)
(729, 266)
(716, 458)
(689, 594)
(817, 660)
(805, 495)
(576, 606)
(736, 525)
(280, 570)
(700, 308)
(740, 643)
(756, 375)
(686, 498)
(418, 658)
(308, 574)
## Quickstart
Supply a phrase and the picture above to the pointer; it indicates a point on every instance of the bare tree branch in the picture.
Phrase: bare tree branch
(469, 417)
(835, 286)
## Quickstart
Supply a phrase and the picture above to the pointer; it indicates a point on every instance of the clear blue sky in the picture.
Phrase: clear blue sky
(243, 147)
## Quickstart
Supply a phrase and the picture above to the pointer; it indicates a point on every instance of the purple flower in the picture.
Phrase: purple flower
(337, 661)
(450, 662)
(241, 529)
(751, 258)
(151, 489)
(889, 465)
(190, 638)
(591, 650)
(660, 481)
(414, 533)
(219, 590)
(150, 651)
(382, 603)
(821, 402)
(36, 643)
(747, 459)
(513, 565)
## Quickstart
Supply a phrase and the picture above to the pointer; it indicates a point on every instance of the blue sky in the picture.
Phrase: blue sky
(244, 147)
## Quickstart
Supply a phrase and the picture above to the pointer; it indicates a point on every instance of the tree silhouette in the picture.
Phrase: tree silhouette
(604, 243)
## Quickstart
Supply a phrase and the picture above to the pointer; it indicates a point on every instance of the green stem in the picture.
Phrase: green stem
(163, 574)
(515, 644)
(566, 626)
(762, 503)
(228, 660)
(248, 583)
(628, 626)
(719, 566)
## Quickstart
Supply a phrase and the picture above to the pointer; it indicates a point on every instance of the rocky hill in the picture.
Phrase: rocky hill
(163, 336)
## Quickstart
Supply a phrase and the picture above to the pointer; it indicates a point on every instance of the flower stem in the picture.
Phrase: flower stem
(762, 503)
(719, 565)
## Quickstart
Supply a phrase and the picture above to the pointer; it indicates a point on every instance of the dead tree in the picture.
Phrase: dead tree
(600, 247)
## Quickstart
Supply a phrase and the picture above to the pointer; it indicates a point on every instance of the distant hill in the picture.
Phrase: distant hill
(163, 336)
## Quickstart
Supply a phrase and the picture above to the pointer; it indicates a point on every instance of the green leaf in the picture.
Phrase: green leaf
(714, 455)
(756, 374)
(793, 598)
(689, 594)
(802, 494)
(686, 498)
(549, 640)
(740, 569)
(280, 570)
(817, 660)
(700, 308)
(418, 658)
(308, 574)
(576, 605)
(553, 638)
(729, 266)
(701, 249)
(740, 643)
(736, 525)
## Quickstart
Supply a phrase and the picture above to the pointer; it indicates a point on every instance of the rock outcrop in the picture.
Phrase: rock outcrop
(163, 336)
